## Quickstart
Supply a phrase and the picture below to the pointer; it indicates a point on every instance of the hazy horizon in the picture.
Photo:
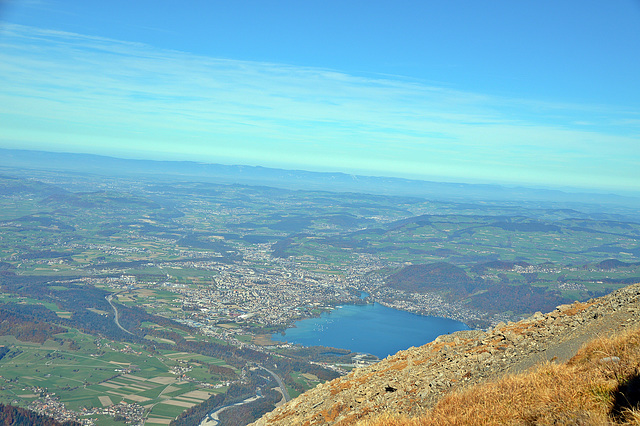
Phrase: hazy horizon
(326, 186)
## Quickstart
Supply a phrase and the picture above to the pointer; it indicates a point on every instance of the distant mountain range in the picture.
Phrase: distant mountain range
(295, 179)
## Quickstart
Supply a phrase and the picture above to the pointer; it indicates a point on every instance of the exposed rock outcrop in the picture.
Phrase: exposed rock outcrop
(413, 380)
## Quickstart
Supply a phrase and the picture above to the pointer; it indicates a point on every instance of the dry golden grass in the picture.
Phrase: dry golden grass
(599, 386)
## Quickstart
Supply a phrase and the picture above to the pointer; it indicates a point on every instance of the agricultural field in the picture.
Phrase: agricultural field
(89, 373)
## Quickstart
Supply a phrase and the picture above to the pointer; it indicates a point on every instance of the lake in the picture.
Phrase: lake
(371, 328)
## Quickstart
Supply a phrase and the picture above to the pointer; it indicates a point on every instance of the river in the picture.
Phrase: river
(373, 328)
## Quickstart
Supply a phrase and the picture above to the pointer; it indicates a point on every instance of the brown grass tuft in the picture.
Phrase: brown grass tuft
(599, 386)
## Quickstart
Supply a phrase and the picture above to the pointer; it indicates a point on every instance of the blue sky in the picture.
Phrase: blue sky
(542, 93)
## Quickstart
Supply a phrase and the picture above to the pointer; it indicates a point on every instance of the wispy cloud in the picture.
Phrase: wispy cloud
(71, 91)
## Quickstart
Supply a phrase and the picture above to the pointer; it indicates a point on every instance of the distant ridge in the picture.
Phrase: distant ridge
(294, 179)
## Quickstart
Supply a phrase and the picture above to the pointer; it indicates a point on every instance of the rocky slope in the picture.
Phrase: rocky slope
(411, 381)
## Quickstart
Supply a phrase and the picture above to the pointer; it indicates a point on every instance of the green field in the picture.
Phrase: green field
(80, 378)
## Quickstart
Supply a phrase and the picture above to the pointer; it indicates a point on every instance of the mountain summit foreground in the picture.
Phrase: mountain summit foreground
(410, 383)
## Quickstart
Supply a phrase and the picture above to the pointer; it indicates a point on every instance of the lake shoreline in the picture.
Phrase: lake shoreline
(370, 328)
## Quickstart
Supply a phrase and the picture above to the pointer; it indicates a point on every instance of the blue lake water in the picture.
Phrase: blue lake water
(372, 328)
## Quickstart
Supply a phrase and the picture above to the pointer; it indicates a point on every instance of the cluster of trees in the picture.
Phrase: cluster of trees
(454, 282)
(322, 353)
(3, 351)
(282, 248)
(532, 226)
(517, 298)
(222, 372)
(440, 276)
(47, 254)
(201, 240)
(285, 366)
(24, 325)
(615, 263)
(497, 264)
(244, 414)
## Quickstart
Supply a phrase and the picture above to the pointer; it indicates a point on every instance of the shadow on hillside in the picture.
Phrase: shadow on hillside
(626, 397)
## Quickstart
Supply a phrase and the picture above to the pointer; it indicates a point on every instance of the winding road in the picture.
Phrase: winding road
(285, 393)
(115, 310)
